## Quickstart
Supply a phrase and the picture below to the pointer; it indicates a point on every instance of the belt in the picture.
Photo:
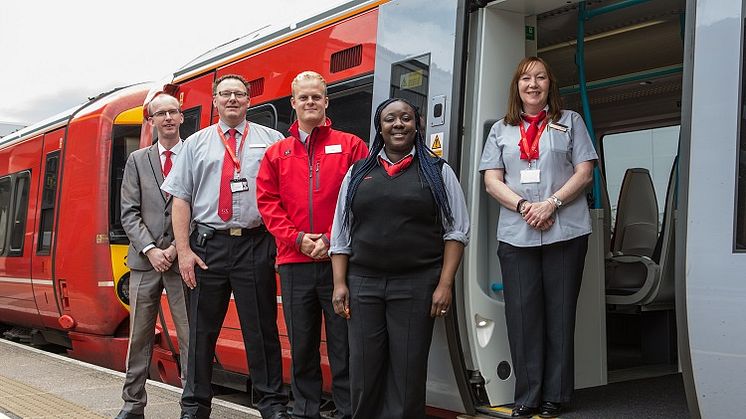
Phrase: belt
(238, 232)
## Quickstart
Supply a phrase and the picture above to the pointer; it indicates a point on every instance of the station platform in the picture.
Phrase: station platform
(38, 384)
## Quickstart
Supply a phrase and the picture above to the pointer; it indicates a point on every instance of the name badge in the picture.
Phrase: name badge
(530, 176)
(258, 145)
(239, 185)
(333, 149)
(558, 127)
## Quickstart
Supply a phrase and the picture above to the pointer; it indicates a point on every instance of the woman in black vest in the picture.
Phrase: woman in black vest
(398, 236)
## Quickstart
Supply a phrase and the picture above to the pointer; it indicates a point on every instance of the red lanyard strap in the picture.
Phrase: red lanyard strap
(229, 149)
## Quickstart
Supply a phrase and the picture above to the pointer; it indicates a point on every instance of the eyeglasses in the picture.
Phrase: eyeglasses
(162, 114)
(227, 94)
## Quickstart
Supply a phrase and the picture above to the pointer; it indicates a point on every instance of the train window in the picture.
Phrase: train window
(125, 140)
(48, 195)
(652, 149)
(409, 80)
(4, 211)
(191, 122)
(20, 208)
(265, 114)
(350, 110)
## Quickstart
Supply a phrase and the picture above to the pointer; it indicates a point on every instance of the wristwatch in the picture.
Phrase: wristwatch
(556, 201)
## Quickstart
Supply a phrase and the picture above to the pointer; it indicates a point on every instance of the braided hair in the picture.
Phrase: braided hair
(428, 166)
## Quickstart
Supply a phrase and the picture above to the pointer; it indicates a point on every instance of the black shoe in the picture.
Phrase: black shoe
(280, 415)
(523, 411)
(129, 415)
(550, 410)
(187, 415)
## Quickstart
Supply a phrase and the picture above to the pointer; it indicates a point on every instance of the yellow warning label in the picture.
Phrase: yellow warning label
(436, 143)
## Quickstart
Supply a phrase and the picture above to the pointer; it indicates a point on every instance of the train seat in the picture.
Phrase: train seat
(639, 271)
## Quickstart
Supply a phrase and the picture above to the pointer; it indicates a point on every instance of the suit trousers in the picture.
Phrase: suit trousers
(542, 284)
(390, 331)
(146, 288)
(243, 265)
(306, 295)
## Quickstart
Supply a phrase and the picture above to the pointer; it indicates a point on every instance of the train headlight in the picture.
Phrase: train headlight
(123, 289)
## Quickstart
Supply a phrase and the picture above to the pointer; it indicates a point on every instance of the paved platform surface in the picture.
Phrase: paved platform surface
(38, 384)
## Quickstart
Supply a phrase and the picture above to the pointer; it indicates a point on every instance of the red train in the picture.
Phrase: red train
(63, 277)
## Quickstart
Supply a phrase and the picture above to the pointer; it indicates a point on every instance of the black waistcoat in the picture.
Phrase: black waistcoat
(396, 224)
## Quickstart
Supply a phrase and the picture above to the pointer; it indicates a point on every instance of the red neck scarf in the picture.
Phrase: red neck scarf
(394, 168)
(529, 142)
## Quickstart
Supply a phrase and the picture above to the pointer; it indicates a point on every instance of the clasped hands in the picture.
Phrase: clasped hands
(161, 259)
(538, 215)
(314, 246)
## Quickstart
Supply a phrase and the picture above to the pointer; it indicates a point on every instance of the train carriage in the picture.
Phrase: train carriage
(61, 247)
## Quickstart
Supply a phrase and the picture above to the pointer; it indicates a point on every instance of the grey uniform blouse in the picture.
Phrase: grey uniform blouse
(559, 153)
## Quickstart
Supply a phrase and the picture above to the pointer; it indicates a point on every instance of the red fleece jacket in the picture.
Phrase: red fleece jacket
(298, 184)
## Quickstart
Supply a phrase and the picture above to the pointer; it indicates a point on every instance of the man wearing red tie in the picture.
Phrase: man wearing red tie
(228, 251)
(146, 220)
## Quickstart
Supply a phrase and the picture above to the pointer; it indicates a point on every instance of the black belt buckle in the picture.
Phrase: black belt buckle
(204, 233)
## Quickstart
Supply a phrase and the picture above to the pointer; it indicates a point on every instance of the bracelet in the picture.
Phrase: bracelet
(520, 203)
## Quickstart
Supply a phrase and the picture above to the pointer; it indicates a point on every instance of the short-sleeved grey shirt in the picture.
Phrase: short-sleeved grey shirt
(196, 175)
(559, 153)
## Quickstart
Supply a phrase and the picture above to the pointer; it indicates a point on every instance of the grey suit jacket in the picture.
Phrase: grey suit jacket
(146, 210)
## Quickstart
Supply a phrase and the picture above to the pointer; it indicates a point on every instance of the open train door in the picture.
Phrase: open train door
(427, 69)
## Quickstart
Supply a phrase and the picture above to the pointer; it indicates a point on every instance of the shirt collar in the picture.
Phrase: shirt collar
(302, 135)
(174, 150)
(382, 154)
(546, 108)
(240, 128)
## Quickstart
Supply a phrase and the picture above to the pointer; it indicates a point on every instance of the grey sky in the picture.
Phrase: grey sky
(56, 54)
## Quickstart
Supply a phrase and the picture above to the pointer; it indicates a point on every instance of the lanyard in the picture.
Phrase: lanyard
(229, 149)
(531, 151)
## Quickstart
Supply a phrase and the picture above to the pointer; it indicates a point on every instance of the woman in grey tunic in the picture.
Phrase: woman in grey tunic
(537, 162)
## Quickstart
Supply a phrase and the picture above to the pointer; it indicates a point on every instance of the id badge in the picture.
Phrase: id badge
(530, 176)
(239, 185)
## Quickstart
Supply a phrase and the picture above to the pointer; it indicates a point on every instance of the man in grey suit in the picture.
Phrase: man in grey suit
(146, 218)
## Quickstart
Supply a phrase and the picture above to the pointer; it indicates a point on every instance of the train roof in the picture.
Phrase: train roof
(61, 119)
(270, 35)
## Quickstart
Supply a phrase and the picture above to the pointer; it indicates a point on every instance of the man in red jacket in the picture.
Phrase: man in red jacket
(297, 187)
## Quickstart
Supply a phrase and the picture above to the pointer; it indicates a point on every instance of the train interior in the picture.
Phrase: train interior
(632, 55)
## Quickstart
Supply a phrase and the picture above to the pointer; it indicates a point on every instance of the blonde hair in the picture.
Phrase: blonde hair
(307, 75)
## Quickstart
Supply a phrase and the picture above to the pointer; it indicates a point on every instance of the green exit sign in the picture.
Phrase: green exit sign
(530, 33)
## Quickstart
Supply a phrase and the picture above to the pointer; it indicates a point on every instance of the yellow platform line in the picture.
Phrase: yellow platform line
(25, 401)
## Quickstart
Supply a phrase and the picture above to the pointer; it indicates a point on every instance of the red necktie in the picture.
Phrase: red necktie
(225, 201)
(167, 164)
(394, 168)
(533, 129)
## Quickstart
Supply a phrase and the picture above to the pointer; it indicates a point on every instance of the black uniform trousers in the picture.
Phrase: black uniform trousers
(390, 334)
(306, 294)
(244, 265)
(542, 284)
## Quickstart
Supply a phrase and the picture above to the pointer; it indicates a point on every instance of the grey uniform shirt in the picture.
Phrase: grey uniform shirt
(459, 231)
(559, 153)
(195, 176)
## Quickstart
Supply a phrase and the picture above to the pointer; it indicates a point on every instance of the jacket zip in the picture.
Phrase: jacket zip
(310, 180)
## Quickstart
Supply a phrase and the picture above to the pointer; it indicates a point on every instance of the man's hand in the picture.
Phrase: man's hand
(158, 259)
(187, 260)
(170, 253)
(308, 244)
(320, 250)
